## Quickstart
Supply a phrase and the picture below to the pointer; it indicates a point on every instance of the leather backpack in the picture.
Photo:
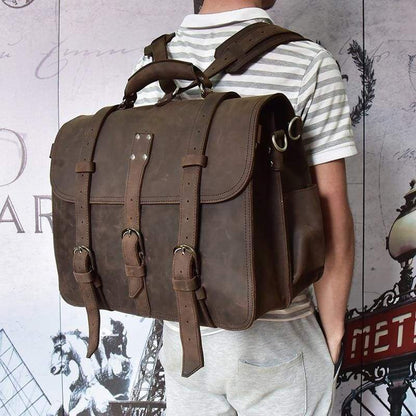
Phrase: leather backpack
(198, 211)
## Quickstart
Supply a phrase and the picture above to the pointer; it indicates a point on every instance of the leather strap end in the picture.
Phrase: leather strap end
(200, 293)
(135, 287)
(194, 160)
(85, 167)
(93, 315)
(94, 331)
(193, 356)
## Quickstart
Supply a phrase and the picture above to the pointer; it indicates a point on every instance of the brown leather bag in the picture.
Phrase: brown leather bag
(197, 211)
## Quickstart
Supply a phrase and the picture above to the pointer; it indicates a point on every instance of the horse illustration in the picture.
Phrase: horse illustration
(102, 378)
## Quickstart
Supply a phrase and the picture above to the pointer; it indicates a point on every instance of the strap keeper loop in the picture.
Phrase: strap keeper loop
(84, 277)
(185, 285)
(135, 272)
(194, 160)
(85, 167)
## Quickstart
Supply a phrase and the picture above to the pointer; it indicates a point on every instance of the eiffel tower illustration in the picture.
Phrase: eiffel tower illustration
(148, 394)
(20, 394)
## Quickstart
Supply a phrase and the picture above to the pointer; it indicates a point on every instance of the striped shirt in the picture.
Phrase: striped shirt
(303, 70)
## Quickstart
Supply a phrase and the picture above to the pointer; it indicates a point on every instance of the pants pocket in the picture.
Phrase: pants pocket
(264, 385)
(337, 365)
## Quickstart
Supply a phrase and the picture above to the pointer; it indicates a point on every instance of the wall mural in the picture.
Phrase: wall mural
(17, 4)
(380, 339)
(58, 65)
(103, 378)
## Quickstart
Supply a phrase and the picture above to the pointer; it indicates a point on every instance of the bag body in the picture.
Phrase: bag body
(197, 211)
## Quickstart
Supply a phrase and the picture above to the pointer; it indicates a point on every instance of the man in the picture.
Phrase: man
(284, 364)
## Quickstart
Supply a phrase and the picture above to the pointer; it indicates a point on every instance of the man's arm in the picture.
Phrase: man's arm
(333, 288)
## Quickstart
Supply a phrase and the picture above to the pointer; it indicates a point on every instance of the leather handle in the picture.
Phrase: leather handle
(164, 69)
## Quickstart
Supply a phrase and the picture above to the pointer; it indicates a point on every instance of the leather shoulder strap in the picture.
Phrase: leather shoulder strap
(158, 51)
(249, 43)
(245, 46)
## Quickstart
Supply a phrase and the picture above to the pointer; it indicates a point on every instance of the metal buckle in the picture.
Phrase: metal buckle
(204, 90)
(79, 249)
(277, 147)
(130, 231)
(289, 129)
(184, 247)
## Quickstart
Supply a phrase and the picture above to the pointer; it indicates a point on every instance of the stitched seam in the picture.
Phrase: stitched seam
(287, 264)
(69, 198)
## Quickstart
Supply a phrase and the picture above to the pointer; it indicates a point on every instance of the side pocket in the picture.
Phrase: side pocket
(305, 235)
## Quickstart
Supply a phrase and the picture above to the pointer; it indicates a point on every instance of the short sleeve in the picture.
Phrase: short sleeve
(325, 111)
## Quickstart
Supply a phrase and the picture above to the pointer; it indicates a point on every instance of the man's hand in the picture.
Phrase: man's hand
(333, 288)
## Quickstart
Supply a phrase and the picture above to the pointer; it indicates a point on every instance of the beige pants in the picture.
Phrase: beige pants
(270, 369)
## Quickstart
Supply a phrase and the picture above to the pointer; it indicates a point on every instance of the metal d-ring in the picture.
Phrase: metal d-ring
(289, 129)
(277, 147)
(185, 247)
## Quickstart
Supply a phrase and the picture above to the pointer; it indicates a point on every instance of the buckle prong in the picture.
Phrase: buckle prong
(130, 231)
(185, 247)
(80, 249)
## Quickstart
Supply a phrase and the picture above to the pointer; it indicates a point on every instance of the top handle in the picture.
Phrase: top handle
(165, 69)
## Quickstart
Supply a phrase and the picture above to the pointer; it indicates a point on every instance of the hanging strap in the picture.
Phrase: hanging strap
(185, 267)
(159, 52)
(83, 261)
(132, 238)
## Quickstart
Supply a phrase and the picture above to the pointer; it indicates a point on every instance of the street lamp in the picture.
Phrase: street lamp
(401, 244)
(401, 241)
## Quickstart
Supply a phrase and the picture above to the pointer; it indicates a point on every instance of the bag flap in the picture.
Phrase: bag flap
(230, 150)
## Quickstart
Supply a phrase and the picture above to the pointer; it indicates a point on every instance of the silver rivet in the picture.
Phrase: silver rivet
(149, 136)
(132, 156)
(145, 156)
(137, 136)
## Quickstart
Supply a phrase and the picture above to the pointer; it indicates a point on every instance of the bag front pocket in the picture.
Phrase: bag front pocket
(263, 386)
(305, 231)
